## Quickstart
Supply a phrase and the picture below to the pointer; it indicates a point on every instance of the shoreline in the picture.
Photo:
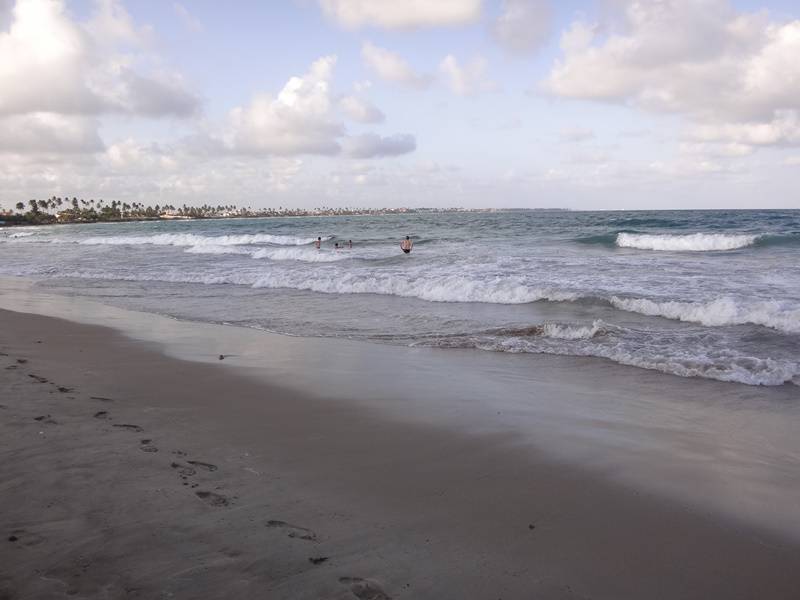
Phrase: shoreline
(726, 448)
(398, 508)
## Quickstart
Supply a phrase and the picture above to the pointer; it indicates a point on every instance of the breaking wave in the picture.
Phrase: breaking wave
(19, 234)
(561, 331)
(644, 349)
(452, 288)
(692, 242)
(775, 314)
(733, 367)
(191, 239)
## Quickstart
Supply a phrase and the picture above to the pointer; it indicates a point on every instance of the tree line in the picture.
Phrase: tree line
(66, 210)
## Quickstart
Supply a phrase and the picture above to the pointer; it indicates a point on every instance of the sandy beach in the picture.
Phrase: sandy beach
(130, 474)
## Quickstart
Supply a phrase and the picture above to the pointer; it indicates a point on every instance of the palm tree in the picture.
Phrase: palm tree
(20, 206)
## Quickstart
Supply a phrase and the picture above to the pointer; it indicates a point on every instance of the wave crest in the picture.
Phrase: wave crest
(692, 242)
(192, 239)
(722, 311)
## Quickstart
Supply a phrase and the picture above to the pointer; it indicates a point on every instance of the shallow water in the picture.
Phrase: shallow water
(712, 294)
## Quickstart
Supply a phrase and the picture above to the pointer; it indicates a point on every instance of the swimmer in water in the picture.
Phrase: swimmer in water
(406, 245)
(318, 243)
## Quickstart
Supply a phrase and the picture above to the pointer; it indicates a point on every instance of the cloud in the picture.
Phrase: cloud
(361, 110)
(49, 133)
(298, 120)
(734, 75)
(782, 130)
(394, 14)
(191, 22)
(467, 80)
(523, 25)
(576, 134)
(65, 67)
(371, 145)
(302, 119)
(133, 157)
(391, 67)
(731, 150)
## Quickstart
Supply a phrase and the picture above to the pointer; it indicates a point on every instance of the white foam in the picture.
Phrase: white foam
(216, 249)
(304, 254)
(684, 362)
(191, 239)
(451, 288)
(775, 314)
(693, 242)
(572, 332)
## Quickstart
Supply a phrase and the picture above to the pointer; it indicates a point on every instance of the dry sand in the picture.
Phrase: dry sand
(127, 474)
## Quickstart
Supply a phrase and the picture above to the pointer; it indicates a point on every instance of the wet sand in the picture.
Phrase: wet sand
(129, 474)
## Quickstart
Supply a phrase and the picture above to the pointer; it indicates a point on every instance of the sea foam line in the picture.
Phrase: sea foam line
(722, 311)
(693, 242)
(191, 239)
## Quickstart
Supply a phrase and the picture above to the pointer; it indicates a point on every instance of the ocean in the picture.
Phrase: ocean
(712, 294)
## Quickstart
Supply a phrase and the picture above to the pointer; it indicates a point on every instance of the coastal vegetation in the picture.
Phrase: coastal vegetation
(74, 210)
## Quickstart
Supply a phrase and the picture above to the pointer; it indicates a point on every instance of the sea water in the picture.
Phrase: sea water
(712, 294)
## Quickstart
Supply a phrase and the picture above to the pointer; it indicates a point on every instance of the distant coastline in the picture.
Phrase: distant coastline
(58, 210)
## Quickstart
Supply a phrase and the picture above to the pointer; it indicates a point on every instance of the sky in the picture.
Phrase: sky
(593, 104)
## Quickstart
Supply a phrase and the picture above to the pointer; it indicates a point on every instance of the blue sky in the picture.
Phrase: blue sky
(583, 104)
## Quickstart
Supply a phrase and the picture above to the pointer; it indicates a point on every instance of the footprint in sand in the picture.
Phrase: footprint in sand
(101, 398)
(146, 446)
(129, 427)
(46, 419)
(301, 533)
(364, 589)
(25, 537)
(101, 414)
(183, 470)
(65, 390)
(203, 465)
(213, 498)
(38, 378)
(22, 361)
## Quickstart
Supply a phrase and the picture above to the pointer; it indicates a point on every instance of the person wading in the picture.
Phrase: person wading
(406, 245)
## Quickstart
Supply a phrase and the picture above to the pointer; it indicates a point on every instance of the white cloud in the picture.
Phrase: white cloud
(468, 79)
(302, 119)
(729, 150)
(735, 75)
(401, 14)
(391, 67)
(523, 25)
(50, 63)
(298, 120)
(111, 24)
(191, 22)
(576, 134)
(133, 157)
(370, 145)
(49, 133)
(360, 110)
(782, 130)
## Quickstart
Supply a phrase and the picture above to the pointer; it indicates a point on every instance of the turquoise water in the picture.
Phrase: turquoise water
(711, 294)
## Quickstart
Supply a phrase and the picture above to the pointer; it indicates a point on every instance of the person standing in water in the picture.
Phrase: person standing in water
(406, 245)
(318, 243)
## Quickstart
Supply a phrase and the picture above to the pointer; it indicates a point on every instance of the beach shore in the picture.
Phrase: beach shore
(130, 474)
